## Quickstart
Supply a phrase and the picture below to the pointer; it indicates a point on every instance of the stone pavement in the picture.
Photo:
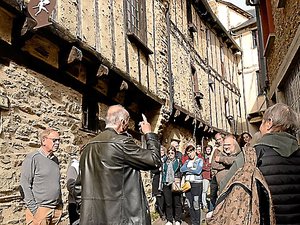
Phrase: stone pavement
(185, 221)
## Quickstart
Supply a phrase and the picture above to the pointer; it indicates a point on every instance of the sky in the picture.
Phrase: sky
(240, 3)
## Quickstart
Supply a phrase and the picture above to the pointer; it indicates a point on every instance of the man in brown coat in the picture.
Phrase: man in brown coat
(223, 160)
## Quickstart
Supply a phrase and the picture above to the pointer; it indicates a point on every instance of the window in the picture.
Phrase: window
(222, 57)
(254, 38)
(136, 23)
(90, 113)
(227, 112)
(191, 26)
(238, 108)
(260, 85)
(197, 94)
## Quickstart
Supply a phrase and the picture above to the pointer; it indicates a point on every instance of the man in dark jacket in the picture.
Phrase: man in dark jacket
(109, 181)
(279, 160)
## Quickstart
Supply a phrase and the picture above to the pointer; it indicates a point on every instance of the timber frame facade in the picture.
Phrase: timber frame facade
(171, 60)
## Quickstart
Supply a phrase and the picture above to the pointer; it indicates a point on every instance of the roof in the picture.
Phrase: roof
(249, 23)
(206, 13)
(236, 8)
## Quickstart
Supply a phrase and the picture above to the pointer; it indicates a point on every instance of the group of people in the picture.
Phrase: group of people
(106, 187)
(178, 167)
(204, 169)
(278, 159)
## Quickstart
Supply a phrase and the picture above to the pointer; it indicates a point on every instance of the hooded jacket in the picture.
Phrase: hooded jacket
(109, 186)
(279, 161)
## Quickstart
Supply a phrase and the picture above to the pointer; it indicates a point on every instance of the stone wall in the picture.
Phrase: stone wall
(286, 22)
(37, 102)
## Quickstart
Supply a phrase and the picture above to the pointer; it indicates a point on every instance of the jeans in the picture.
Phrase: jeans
(204, 192)
(73, 214)
(213, 190)
(172, 204)
(194, 198)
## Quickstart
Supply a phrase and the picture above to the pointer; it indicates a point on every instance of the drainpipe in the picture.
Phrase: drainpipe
(171, 80)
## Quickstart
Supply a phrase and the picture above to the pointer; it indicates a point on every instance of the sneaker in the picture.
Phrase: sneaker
(177, 223)
(169, 223)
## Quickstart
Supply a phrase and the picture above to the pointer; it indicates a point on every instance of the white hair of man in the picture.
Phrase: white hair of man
(115, 115)
(283, 118)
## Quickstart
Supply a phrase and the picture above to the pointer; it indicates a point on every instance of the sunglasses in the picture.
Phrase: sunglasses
(171, 153)
(54, 139)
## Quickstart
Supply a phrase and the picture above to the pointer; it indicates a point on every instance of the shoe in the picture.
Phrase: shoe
(177, 223)
(169, 223)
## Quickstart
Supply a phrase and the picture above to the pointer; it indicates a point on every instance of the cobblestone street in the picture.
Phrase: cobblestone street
(185, 221)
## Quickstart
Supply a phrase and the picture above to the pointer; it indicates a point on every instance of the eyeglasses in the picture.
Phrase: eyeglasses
(171, 153)
(190, 151)
(54, 139)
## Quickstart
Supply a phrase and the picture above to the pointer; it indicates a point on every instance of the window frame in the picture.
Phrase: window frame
(136, 23)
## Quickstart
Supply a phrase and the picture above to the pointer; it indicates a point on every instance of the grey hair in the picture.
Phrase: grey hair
(114, 118)
(46, 132)
(283, 118)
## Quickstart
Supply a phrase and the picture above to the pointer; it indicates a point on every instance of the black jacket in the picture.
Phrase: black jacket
(109, 183)
(279, 161)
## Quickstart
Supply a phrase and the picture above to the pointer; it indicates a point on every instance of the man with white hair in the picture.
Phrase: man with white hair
(109, 182)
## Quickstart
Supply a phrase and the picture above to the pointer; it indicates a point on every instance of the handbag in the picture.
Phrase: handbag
(186, 186)
(176, 185)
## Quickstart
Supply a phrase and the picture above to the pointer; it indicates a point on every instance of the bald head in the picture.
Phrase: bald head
(230, 145)
(117, 118)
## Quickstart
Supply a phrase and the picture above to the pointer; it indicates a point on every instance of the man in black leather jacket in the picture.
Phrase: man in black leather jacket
(109, 187)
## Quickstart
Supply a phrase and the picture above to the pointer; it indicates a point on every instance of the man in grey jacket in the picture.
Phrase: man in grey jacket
(109, 181)
(40, 181)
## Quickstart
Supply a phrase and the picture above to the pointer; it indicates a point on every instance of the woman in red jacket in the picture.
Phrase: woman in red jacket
(206, 174)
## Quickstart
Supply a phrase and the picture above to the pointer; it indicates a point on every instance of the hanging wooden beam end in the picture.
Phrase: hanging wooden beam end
(102, 71)
(75, 54)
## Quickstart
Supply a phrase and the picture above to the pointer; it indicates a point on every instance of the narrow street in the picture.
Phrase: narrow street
(185, 221)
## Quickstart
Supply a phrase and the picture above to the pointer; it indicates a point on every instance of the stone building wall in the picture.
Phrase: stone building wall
(37, 102)
(286, 22)
(95, 30)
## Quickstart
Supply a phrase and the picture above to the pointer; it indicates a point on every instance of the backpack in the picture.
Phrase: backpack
(238, 204)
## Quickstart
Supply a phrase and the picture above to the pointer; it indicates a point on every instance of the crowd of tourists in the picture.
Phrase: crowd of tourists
(214, 182)
(203, 167)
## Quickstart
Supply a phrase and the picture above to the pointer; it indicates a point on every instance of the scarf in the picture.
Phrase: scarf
(170, 176)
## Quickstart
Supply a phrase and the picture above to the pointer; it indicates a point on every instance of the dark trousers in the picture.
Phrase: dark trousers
(73, 215)
(172, 204)
(159, 204)
(213, 191)
(194, 196)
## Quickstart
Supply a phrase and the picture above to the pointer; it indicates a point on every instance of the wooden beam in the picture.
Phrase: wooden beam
(123, 86)
(75, 54)
(102, 71)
